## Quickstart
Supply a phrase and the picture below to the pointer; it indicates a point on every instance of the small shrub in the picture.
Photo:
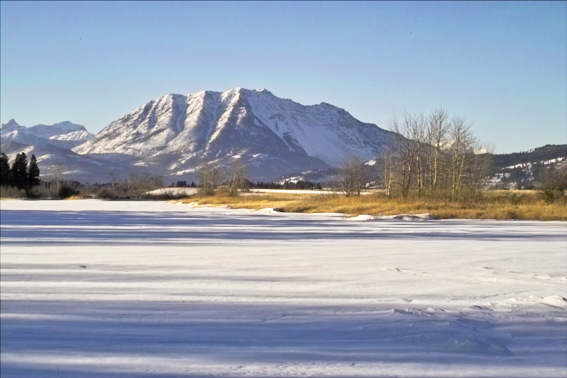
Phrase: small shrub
(34, 193)
(554, 185)
(66, 191)
(511, 214)
(105, 194)
(550, 194)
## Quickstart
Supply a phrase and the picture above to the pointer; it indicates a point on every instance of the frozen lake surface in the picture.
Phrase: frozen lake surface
(153, 289)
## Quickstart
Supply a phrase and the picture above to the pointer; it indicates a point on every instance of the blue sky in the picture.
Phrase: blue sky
(500, 65)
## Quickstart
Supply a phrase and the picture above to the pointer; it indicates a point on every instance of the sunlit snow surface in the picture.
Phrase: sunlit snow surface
(148, 289)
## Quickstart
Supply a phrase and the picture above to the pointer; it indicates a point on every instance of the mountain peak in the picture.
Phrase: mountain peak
(10, 125)
(68, 126)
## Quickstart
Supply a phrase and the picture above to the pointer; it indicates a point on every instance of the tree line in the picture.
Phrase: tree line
(212, 178)
(21, 175)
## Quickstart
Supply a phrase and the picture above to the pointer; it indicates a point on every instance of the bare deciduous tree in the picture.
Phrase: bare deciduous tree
(238, 177)
(437, 131)
(461, 150)
(58, 171)
(352, 176)
(410, 138)
(386, 170)
(210, 177)
(137, 185)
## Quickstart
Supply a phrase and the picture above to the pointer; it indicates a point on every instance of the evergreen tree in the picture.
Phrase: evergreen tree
(20, 171)
(5, 172)
(33, 173)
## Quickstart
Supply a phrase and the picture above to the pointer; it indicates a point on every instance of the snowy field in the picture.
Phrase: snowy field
(153, 289)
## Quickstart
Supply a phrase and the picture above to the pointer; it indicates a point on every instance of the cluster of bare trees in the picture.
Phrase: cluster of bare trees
(434, 155)
(352, 176)
(211, 177)
(134, 187)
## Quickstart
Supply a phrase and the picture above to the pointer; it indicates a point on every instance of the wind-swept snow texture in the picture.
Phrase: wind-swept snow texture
(147, 289)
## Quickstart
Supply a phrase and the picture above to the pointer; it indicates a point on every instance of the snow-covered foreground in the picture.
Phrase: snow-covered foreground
(148, 289)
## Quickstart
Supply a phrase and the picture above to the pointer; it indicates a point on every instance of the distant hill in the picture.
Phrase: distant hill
(545, 153)
(524, 170)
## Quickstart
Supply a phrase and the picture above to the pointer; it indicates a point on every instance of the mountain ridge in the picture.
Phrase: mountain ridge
(60, 134)
(272, 136)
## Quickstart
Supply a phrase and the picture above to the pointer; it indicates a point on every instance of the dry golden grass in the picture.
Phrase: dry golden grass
(75, 197)
(492, 205)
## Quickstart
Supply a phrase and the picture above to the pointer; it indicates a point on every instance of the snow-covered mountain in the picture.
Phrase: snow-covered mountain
(174, 134)
(63, 134)
(52, 144)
